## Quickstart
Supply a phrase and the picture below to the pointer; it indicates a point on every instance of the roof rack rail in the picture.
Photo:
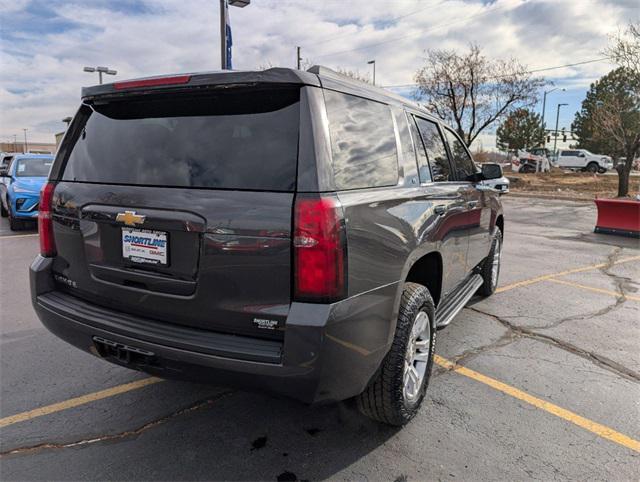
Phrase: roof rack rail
(327, 72)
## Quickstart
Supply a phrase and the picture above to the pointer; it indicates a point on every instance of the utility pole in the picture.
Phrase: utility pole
(15, 143)
(298, 58)
(26, 146)
(555, 137)
(373, 62)
(224, 21)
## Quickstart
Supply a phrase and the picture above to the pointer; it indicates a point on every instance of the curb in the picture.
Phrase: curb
(550, 196)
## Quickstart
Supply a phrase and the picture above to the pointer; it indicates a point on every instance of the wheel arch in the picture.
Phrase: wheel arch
(500, 223)
(427, 271)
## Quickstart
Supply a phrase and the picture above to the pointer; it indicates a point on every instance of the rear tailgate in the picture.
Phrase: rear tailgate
(179, 208)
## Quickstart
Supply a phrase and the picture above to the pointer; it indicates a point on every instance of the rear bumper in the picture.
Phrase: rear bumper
(329, 352)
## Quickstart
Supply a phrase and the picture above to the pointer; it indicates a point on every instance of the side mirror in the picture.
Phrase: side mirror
(581, 154)
(491, 171)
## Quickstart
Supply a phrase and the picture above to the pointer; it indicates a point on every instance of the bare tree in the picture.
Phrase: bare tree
(624, 47)
(355, 74)
(613, 120)
(471, 91)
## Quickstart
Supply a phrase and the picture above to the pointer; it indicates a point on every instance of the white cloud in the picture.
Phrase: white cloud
(41, 68)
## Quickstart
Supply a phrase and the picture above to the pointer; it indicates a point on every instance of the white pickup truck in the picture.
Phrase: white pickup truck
(584, 160)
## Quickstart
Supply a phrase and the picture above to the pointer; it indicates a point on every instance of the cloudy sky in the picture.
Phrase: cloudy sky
(45, 43)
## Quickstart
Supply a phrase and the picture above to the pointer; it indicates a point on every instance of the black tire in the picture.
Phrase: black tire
(14, 224)
(3, 212)
(601, 170)
(490, 275)
(592, 167)
(527, 168)
(385, 398)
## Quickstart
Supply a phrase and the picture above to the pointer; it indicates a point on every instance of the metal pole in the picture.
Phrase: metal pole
(374, 72)
(555, 134)
(100, 77)
(298, 58)
(26, 146)
(223, 36)
(544, 104)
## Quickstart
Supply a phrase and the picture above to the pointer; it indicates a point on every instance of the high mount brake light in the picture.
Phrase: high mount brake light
(45, 221)
(132, 84)
(319, 244)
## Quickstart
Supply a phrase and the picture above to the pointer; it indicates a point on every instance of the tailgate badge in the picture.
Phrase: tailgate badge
(265, 324)
(130, 218)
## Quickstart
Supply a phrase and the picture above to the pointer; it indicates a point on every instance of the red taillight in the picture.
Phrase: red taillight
(319, 250)
(45, 222)
(132, 84)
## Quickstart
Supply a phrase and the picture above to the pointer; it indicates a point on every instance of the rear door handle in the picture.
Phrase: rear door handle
(440, 209)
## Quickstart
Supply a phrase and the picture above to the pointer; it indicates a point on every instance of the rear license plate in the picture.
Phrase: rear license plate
(144, 246)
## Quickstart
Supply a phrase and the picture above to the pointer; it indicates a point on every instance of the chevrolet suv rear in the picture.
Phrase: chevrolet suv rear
(293, 231)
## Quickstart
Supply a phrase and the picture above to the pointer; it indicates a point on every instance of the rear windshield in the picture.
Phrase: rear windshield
(232, 140)
(33, 167)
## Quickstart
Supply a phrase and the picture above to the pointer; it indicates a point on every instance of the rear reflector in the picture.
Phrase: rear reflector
(132, 84)
(319, 244)
(45, 221)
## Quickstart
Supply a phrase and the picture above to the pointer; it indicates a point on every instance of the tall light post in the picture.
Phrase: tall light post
(373, 62)
(544, 104)
(225, 55)
(555, 137)
(101, 70)
(26, 146)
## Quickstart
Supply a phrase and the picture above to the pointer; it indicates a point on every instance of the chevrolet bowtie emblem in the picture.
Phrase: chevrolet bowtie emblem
(130, 218)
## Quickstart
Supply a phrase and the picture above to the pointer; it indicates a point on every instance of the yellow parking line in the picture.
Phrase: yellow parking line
(11, 236)
(594, 289)
(546, 277)
(593, 427)
(75, 402)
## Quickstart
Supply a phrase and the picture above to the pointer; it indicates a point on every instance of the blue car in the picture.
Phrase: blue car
(20, 185)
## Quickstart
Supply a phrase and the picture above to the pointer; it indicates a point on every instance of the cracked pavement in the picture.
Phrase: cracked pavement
(570, 346)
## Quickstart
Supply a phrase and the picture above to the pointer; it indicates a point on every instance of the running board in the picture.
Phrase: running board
(454, 303)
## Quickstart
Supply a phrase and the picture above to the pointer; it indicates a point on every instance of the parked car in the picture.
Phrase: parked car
(298, 232)
(20, 184)
(5, 160)
(500, 184)
(584, 160)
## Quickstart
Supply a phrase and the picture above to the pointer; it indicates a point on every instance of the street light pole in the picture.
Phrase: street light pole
(555, 137)
(544, 103)
(373, 62)
(223, 27)
(26, 146)
(100, 70)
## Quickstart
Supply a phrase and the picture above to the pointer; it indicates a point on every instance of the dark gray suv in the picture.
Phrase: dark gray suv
(297, 232)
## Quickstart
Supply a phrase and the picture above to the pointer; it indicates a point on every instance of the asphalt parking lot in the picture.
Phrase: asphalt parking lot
(542, 380)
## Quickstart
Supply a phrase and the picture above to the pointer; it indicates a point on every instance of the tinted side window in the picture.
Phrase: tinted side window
(436, 151)
(363, 142)
(569, 153)
(406, 143)
(421, 155)
(461, 159)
